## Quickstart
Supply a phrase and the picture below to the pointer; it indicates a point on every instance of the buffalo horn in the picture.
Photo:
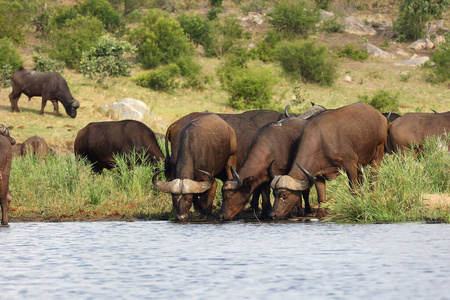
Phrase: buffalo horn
(290, 183)
(236, 176)
(4, 128)
(173, 187)
(311, 178)
(75, 103)
(286, 112)
(196, 187)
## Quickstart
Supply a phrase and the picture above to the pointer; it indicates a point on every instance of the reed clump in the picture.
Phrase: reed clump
(399, 191)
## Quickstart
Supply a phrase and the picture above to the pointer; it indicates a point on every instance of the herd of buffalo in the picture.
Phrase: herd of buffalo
(251, 153)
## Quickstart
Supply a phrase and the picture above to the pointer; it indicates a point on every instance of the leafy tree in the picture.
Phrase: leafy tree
(47, 65)
(226, 37)
(12, 21)
(294, 17)
(68, 43)
(197, 29)
(306, 60)
(10, 61)
(414, 14)
(106, 59)
(160, 39)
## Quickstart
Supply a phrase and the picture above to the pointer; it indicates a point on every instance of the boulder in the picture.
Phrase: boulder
(422, 44)
(354, 26)
(413, 61)
(127, 109)
(377, 52)
(326, 15)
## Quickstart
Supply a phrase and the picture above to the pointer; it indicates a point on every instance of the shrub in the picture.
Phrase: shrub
(295, 17)
(68, 43)
(225, 38)
(353, 52)
(197, 29)
(162, 79)
(414, 14)
(160, 39)
(106, 59)
(323, 4)
(5, 76)
(382, 100)
(332, 26)
(12, 21)
(9, 55)
(251, 88)
(440, 66)
(47, 65)
(102, 10)
(306, 60)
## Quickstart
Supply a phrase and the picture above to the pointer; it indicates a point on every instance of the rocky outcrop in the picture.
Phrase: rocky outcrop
(354, 26)
(127, 109)
(415, 60)
(377, 52)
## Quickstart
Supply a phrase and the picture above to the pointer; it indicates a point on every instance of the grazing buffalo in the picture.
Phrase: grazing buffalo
(99, 142)
(50, 86)
(5, 169)
(7, 133)
(35, 145)
(245, 125)
(273, 147)
(412, 128)
(205, 148)
(345, 138)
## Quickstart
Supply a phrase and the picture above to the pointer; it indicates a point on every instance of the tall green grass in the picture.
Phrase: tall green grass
(64, 187)
(396, 194)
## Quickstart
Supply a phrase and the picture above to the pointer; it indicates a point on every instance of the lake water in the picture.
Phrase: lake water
(237, 260)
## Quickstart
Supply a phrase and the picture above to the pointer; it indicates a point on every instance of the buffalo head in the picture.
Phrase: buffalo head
(71, 107)
(235, 194)
(287, 192)
(7, 133)
(183, 191)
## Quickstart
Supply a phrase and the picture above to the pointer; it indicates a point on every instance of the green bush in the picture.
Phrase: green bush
(251, 88)
(332, 26)
(106, 59)
(295, 17)
(9, 55)
(197, 29)
(413, 16)
(77, 35)
(161, 79)
(47, 65)
(226, 37)
(382, 100)
(12, 21)
(351, 51)
(160, 39)
(306, 60)
(5, 76)
(323, 4)
(440, 66)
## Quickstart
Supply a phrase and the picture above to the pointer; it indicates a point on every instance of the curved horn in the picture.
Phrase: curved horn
(195, 187)
(311, 178)
(286, 112)
(312, 103)
(173, 187)
(236, 176)
(433, 111)
(4, 128)
(75, 103)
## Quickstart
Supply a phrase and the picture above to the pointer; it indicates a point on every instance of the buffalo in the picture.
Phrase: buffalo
(99, 142)
(35, 145)
(411, 129)
(391, 117)
(204, 148)
(345, 138)
(273, 147)
(5, 169)
(48, 85)
(7, 133)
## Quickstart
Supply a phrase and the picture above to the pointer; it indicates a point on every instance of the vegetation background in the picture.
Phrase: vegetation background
(410, 87)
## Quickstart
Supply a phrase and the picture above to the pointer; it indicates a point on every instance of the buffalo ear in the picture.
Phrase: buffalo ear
(247, 183)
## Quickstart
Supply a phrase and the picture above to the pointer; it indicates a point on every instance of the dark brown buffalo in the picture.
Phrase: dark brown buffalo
(35, 145)
(411, 129)
(204, 148)
(391, 117)
(99, 142)
(245, 125)
(5, 169)
(273, 149)
(345, 138)
(48, 85)
(7, 133)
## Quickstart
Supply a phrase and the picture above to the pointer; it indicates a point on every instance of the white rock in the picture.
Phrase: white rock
(418, 61)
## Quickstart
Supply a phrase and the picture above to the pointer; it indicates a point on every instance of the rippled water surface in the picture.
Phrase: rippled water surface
(162, 260)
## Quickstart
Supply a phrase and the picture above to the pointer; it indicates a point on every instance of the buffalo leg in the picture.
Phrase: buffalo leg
(5, 201)
(44, 102)
(254, 204)
(14, 99)
(55, 107)
(265, 205)
(206, 200)
(321, 196)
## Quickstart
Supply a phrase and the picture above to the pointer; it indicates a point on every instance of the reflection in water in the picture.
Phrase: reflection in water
(161, 260)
